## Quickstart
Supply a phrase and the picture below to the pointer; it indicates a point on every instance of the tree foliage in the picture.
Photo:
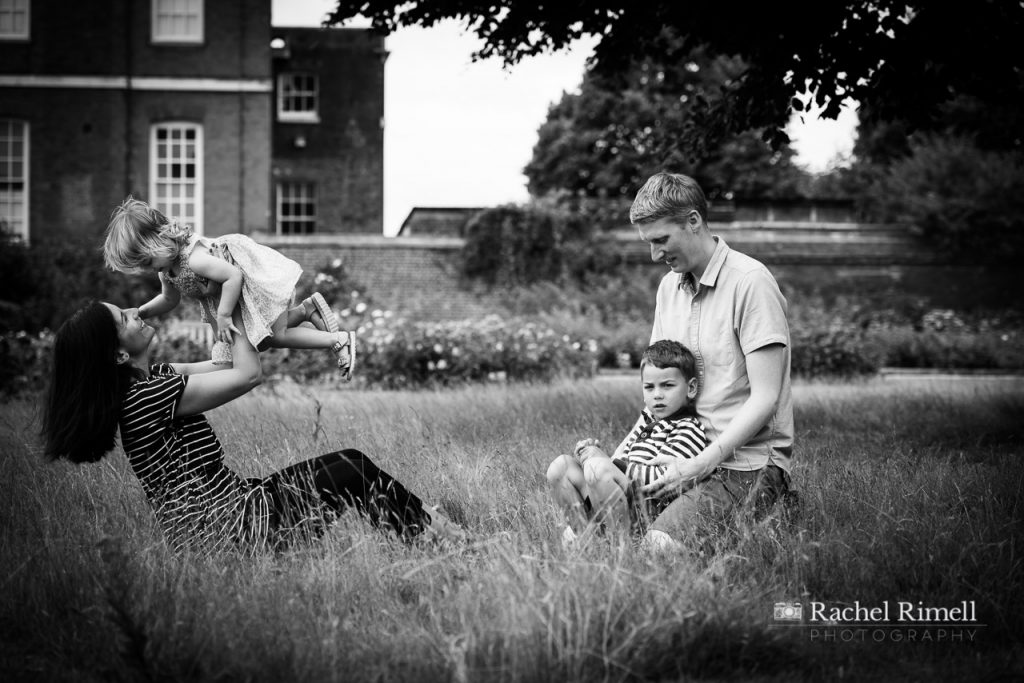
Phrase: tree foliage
(904, 59)
(617, 131)
(964, 199)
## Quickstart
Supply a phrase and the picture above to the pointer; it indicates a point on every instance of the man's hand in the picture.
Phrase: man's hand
(682, 474)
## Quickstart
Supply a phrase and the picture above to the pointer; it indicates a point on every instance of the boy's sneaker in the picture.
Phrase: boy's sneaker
(569, 538)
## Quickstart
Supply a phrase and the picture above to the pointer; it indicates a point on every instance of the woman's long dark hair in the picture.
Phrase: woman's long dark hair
(87, 386)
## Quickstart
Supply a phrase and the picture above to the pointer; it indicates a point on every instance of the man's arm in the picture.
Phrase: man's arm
(766, 367)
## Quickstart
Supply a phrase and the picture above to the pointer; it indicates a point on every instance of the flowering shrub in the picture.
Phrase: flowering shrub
(337, 286)
(24, 359)
(397, 354)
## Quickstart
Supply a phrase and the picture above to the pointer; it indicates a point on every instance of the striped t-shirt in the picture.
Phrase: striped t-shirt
(198, 501)
(681, 437)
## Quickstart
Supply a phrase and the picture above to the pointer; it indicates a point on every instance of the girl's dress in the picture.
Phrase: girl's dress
(268, 283)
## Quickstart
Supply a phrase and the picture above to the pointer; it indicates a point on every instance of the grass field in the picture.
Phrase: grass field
(908, 492)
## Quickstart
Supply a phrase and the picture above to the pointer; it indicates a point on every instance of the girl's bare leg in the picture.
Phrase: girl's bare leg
(301, 338)
(295, 316)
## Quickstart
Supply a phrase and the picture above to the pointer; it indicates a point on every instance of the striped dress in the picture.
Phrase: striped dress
(681, 437)
(199, 502)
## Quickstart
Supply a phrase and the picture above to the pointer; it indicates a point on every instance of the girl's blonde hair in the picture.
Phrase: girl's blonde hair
(137, 232)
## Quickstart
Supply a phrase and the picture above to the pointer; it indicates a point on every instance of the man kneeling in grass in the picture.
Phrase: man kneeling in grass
(726, 308)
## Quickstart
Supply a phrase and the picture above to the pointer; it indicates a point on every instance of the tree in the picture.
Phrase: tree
(606, 140)
(904, 59)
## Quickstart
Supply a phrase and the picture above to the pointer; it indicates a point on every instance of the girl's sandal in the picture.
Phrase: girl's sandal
(317, 306)
(346, 352)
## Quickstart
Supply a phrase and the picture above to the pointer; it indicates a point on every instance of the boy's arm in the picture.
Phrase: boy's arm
(623, 448)
(164, 302)
(230, 278)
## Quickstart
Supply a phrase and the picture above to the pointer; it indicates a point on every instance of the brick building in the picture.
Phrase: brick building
(184, 103)
(328, 162)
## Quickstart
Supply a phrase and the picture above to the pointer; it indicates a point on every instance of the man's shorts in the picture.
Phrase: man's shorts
(707, 507)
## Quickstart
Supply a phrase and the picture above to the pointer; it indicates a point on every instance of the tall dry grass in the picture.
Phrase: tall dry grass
(907, 493)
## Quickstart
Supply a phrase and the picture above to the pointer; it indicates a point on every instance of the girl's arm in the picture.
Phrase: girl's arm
(164, 302)
(207, 390)
(206, 265)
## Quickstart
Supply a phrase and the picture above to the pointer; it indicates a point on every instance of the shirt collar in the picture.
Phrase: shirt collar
(710, 276)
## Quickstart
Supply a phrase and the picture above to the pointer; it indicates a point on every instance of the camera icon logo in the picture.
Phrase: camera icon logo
(788, 611)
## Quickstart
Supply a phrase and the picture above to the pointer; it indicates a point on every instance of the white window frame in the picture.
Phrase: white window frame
(298, 192)
(185, 10)
(288, 94)
(168, 190)
(10, 11)
(14, 202)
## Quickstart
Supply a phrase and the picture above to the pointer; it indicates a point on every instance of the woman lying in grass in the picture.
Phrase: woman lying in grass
(102, 381)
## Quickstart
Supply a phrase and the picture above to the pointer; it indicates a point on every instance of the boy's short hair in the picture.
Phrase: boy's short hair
(667, 353)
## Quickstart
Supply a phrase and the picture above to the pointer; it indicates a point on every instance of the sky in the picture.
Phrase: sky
(458, 133)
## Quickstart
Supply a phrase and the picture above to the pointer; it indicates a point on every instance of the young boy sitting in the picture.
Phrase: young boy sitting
(591, 486)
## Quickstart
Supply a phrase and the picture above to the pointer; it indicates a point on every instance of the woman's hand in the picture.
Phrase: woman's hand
(225, 328)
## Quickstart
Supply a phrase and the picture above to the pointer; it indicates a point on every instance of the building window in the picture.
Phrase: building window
(14, 19)
(176, 171)
(297, 95)
(177, 21)
(14, 178)
(296, 208)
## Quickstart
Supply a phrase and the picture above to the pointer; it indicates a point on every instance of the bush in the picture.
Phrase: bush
(841, 352)
(24, 359)
(518, 245)
(965, 200)
(42, 284)
(398, 354)
(906, 347)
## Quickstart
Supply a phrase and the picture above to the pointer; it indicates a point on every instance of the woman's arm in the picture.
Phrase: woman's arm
(765, 369)
(206, 265)
(164, 302)
(207, 390)
(198, 368)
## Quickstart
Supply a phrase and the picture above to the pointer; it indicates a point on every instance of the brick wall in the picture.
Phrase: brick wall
(417, 276)
(420, 275)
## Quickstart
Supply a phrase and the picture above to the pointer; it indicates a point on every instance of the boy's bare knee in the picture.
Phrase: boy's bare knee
(557, 470)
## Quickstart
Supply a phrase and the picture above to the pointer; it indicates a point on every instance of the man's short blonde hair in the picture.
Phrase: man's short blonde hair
(138, 233)
(668, 195)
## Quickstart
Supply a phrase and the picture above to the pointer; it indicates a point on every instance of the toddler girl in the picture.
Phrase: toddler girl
(140, 239)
